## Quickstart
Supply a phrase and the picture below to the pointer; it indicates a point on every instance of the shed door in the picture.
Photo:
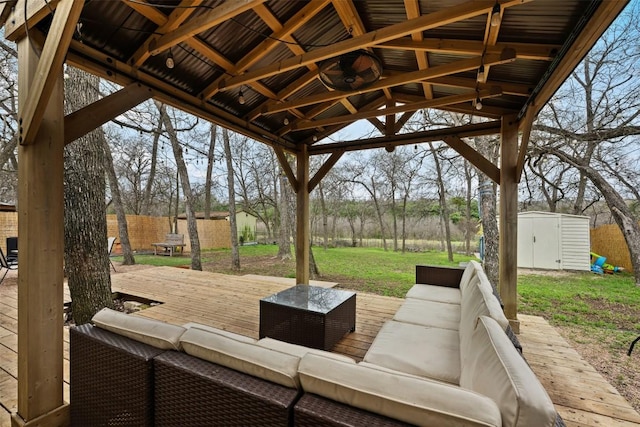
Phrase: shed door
(546, 243)
(525, 242)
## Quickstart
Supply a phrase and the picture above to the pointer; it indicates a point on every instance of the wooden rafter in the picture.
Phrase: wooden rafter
(177, 17)
(415, 76)
(476, 129)
(202, 23)
(536, 52)
(36, 10)
(89, 61)
(464, 82)
(446, 16)
(413, 11)
(490, 39)
(90, 117)
(281, 32)
(49, 67)
(429, 103)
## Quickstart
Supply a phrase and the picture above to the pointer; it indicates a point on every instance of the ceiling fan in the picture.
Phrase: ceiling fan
(350, 71)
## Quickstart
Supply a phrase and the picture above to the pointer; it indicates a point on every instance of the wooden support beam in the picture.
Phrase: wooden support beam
(413, 11)
(173, 21)
(599, 22)
(509, 220)
(536, 52)
(303, 228)
(441, 17)
(268, 44)
(49, 67)
(507, 88)
(85, 120)
(475, 158)
(402, 120)
(430, 103)
(36, 10)
(400, 79)
(40, 227)
(324, 169)
(225, 11)
(286, 168)
(6, 9)
(525, 125)
(476, 129)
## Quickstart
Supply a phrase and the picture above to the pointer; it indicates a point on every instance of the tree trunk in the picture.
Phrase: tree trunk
(123, 230)
(378, 212)
(146, 201)
(487, 194)
(444, 209)
(210, 162)
(468, 229)
(85, 217)
(235, 253)
(325, 219)
(192, 225)
(284, 242)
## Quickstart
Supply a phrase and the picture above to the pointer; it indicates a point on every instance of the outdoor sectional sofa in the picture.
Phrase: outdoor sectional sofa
(444, 360)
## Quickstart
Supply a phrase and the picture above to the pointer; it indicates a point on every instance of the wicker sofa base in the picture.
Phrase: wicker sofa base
(111, 379)
(316, 411)
(193, 392)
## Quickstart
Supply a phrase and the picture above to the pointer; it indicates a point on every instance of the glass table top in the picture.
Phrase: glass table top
(310, 298)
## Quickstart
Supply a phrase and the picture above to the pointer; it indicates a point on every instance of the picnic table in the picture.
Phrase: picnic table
(172, 242)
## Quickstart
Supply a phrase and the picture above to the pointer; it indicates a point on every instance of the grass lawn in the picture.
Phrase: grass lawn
(599, 315)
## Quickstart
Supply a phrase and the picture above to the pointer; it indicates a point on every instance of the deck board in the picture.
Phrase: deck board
(581, 395)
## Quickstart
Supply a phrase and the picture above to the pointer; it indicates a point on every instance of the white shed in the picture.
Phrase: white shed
(553, 241)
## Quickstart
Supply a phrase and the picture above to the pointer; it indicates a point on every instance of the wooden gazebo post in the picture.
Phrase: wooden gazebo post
(509, 219)
(40, 218)
(40, 279)
(302, 216)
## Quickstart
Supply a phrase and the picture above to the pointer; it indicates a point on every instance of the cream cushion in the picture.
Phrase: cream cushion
(429, 313)
(469, 273)
(434, 293)
(149, 331)
(299, 350)
(241, 356)
(233, 335)
(494, 368)
(417, 350)
(477, 300)
(403, 397)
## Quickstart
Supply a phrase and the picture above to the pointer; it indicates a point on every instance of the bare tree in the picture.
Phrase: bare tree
(235, 253)
(210, 162)
(123, 230)
(442, 194)
(192, 225)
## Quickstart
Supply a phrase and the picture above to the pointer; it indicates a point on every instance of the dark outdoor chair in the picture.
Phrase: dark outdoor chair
(7, 265)
(12, 249)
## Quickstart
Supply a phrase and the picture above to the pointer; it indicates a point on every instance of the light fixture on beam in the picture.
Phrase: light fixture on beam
(478, 103)
(169, 62)
(241, 99)
(286, 121)
(495, 15)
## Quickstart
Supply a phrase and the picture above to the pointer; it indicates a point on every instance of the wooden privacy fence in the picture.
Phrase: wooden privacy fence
(143, 230)
(607, 241)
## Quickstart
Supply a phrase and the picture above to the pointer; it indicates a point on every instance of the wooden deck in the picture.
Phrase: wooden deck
(582, 396)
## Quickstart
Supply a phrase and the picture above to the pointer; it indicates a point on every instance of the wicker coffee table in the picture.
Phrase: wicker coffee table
(308, 315)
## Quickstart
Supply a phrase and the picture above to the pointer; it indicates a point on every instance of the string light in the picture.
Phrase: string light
(286, 121)
(170, 63)
(241, 99)
(495, 15)
(478, 103)
(481, 75)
